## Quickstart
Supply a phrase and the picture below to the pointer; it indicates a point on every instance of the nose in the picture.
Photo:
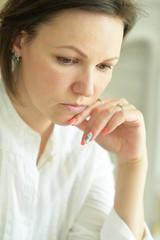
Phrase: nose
(84, 84)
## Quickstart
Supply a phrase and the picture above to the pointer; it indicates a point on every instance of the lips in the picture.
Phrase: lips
(74, 108)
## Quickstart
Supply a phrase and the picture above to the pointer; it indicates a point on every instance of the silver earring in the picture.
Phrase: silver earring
(16, 58)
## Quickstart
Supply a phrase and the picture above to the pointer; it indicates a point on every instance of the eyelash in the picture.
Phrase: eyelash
(62, 59)
(71, 61)
(106, 67)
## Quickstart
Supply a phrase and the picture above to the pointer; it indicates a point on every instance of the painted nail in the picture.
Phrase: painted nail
(105, 131)
(88, 137)
(72, 121)
(82, 142)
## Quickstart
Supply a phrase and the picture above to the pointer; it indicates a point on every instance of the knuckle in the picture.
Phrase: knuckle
(132, 106)
(107, 111)
(123, 100)
(82, 115)
(95, 129)
(79, 116)
(96, 110)
(87, 130)
(140, 114)
(122, 114)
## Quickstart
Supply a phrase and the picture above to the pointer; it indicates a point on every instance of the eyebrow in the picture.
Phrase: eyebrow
(83, 54)
(76, 50)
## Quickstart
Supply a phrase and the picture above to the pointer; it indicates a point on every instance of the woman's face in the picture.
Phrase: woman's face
(68, 64)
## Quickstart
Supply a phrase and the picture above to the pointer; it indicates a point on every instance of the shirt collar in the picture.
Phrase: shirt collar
(17, 134)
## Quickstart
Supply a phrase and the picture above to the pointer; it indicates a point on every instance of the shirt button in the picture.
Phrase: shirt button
(27, 223)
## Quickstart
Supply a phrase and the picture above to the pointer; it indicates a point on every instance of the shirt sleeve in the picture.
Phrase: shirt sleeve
(115, 228)
(97, 219)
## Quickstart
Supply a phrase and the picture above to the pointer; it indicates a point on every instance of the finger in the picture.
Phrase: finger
(109, 120)
(83, 125)
(76, 120)
(100, 116)
(130, 117)
(121, 100)
(97, 123)
(97, 107)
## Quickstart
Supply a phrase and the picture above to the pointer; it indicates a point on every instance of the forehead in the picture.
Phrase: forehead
(87, 30)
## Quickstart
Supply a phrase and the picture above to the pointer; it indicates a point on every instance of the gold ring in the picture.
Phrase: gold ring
(100, 100)
(120, 105)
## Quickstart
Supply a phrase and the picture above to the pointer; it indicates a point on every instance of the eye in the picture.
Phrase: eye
(103, 67)
(66, 61)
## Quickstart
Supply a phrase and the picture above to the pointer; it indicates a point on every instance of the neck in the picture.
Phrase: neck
(26, 109)
(38, 122)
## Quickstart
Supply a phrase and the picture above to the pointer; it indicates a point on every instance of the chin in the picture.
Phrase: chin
(60, 122)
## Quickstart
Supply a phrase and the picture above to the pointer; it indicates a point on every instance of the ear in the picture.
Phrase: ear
(18, 43)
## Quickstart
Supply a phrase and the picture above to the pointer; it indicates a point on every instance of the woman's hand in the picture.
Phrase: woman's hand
(116, 125)
(119, 128)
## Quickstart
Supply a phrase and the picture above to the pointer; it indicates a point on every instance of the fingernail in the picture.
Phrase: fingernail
(72, 121)
(88, 137)
(105, 131)
(82, 142)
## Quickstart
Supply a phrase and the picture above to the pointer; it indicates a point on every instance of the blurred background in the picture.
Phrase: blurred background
(137, 78)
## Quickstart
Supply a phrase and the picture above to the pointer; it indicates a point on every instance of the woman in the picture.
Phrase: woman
(56, 59)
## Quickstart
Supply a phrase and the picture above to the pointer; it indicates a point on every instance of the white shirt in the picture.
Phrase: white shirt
(68, 196)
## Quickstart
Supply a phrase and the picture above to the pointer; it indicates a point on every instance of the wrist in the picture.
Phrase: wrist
(139, 162)
(130, 185)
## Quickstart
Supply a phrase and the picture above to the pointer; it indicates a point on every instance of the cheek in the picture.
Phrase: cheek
(55, 83)
(102, 83)
(44, 79)
(40, 74)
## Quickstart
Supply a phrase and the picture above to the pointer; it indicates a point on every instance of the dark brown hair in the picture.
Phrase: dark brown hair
(27, 15)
